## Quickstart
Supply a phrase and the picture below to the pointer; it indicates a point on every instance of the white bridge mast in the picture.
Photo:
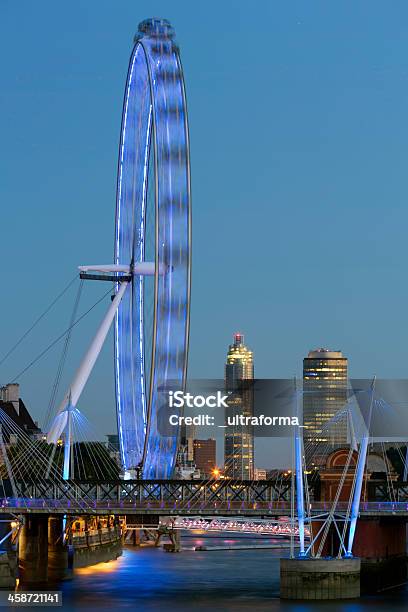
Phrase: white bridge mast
(121, 274)
(82, 374)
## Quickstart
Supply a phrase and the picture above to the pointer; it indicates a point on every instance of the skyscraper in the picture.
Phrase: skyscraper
(325, 393)
(239, 440)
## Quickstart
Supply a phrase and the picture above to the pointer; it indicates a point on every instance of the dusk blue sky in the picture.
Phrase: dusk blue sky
(299, 145)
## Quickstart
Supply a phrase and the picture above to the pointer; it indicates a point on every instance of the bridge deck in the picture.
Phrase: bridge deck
(185, 497)
(260, 509)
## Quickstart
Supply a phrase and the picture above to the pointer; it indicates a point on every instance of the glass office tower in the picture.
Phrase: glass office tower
(325, 393)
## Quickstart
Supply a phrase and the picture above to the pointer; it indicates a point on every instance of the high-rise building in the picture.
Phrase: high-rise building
(325, 393)
(205, 456)
(239, 440)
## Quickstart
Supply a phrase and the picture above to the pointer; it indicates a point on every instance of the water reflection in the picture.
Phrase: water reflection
(150, 579)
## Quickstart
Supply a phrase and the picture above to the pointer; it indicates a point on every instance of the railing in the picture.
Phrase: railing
(192, 491)
(181, 497)
(164, 507)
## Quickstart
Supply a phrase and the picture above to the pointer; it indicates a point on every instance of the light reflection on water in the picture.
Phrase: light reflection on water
(148, 578)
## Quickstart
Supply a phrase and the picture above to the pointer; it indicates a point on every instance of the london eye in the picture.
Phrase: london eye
(152, 225)
(152, 257)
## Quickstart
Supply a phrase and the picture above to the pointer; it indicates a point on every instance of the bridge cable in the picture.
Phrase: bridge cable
(333, 508)
(390, 485)
(381, 407)
(46, 311)
(51, 403)
(24, 460)
(54, 342)
(85, 431)
(90, 453)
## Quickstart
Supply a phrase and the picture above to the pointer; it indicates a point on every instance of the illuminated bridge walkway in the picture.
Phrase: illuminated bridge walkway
(186, 497)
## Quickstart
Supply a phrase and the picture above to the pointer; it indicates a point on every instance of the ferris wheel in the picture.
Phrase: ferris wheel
(153, 233)
(152, 257)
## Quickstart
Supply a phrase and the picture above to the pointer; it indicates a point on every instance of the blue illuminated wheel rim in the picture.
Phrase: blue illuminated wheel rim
(153, 159)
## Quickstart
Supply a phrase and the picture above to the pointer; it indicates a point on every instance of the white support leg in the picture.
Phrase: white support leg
(81, 377)
(300, 500)
(68, 445)
(355, 506)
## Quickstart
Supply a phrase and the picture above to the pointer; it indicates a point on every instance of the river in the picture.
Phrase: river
(148, 578)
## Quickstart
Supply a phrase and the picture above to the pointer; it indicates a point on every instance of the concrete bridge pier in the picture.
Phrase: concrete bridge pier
(33, 549)
(319, 579)
(57, 550)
